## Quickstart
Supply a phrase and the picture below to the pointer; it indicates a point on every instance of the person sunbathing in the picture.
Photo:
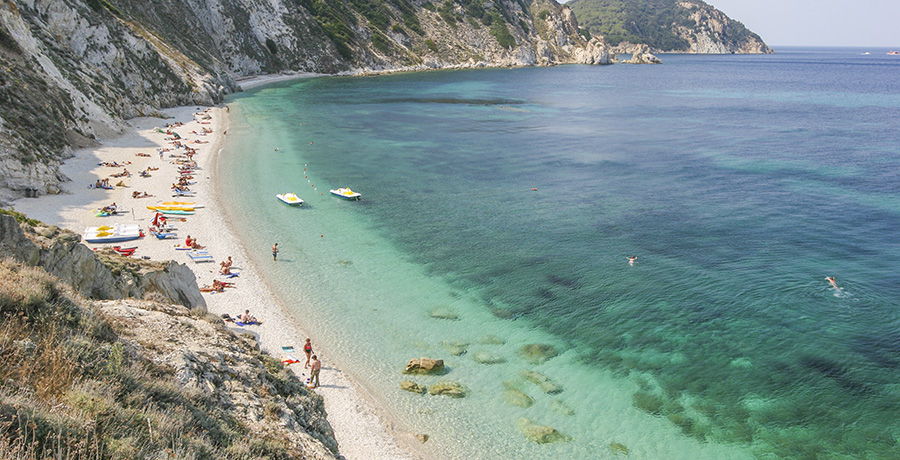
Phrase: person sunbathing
(224, 269)
(192, 243)
(247, 317)
(217, 286)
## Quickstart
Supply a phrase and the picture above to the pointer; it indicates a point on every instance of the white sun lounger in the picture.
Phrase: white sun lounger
(200, 256)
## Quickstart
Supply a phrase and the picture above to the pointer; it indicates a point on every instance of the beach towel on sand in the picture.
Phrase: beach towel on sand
(238, 322)
(289, 359)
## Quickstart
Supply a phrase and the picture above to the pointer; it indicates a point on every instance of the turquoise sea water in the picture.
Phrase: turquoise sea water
(739, 182)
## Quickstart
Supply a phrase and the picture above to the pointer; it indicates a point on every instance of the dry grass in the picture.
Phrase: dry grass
(71, 389)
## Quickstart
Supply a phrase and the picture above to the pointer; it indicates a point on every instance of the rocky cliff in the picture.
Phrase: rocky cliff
(667, 26)
(100, 274)
(128, 379)
(72, 70)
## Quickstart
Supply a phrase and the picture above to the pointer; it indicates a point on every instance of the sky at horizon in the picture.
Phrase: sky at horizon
(862, 23)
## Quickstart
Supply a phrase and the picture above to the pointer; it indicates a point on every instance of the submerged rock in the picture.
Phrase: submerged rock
(455, 348)
(514, 397)
(413, 387)
(541, 380)
(541, 434)
(561, 408)
(448, 388)
(618, 449)
(486, 357)
(425, 366)
(444, 312)
(537, 353)
(491, 340)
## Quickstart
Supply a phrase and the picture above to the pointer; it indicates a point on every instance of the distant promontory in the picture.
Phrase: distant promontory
(667, 26)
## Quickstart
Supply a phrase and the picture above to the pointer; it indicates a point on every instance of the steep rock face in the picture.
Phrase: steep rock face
(543, 33)
(71, 70)
(68, 75)
(102, 275)
(667, 26)
(247, 385)
(712, 33)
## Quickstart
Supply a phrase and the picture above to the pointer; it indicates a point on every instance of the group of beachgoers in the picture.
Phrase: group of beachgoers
(101, 183)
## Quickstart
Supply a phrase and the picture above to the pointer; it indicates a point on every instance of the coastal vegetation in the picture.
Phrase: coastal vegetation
(71, 74)
(79, 381)
(664, 25)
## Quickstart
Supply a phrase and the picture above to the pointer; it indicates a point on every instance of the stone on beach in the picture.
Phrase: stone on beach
(425, 366)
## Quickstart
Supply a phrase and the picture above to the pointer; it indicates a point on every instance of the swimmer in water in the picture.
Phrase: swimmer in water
(631, 259)
(831, 280)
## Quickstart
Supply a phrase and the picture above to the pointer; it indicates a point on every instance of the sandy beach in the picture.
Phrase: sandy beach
(360, 427)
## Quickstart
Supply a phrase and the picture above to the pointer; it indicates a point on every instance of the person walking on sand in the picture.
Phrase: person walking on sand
(314, 371)
(275, 251)
(307, 348)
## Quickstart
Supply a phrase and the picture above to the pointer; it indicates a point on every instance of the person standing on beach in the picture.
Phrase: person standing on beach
(314, 371)
(307, 348)
(275, 251)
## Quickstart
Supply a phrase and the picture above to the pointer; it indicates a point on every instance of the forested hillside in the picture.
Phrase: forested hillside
(667, 26)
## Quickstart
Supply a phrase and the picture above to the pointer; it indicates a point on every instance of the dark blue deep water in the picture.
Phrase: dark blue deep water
(739, 182)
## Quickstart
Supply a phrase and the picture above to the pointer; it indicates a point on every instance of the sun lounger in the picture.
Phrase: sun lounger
(164, 236)
(200, 256)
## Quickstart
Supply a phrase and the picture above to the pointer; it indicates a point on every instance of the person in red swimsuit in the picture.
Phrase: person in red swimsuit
(307, 348)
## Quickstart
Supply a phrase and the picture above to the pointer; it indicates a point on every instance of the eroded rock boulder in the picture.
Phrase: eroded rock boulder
(541, 434)
(486, 357)
(541, 380)
(425, 366)
(448, 388)
(412, 387)
(537, 353)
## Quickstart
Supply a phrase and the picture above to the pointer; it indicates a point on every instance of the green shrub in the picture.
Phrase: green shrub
(501, 33)
(543, 14)
(430, 44)
(411, 21)
(270, 44)
(382, 43)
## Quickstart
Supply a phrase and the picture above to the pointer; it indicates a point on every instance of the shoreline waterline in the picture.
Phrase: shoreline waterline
(717, 307)
(368, 412)
(360, 432)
